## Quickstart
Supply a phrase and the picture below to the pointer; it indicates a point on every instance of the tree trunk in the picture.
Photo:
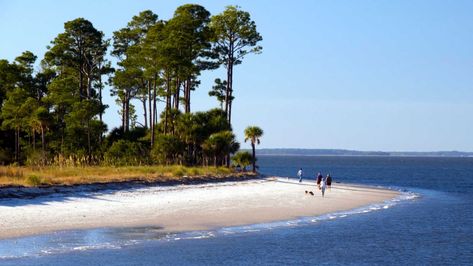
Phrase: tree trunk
(43, 142)
(254, 157)
(168, 104)
(154, 112)
(81, 82)
(100, 96)
(227, 89)
(81, 65)
(89, 143)
(177, 94)
(149, 106)
(43, 146)
(89, 84)
(187, 95)
(123, 115)
(144, 112)
(230, 91)
(17, 145)
(127, 112)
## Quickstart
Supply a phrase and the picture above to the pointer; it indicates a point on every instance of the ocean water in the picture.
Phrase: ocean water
(431, 223)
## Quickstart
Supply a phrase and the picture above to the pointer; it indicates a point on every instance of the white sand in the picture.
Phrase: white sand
(182, 208)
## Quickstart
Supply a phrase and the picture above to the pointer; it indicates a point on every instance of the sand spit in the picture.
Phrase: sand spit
(181, 207)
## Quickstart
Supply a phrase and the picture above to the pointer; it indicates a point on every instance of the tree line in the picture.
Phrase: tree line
(54, 115)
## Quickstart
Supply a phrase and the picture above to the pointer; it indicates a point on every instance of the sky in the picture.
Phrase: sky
(366, 75)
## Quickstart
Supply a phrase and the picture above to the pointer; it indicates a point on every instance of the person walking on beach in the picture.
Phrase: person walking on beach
(329, 181)
(322, 187)
(299, 174)
(319, 179)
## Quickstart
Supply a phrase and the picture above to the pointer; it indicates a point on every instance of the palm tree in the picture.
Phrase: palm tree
(220, 145)
(242, 159)
(253, 133)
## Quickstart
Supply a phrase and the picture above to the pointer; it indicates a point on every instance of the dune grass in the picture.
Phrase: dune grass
(54, 175)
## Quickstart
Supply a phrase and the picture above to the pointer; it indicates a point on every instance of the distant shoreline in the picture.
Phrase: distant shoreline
(354, 153)
(394, 156)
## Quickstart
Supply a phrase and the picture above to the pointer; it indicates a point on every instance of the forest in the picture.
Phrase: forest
(51, 109)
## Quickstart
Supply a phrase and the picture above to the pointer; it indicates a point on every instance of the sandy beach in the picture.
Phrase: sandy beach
(183, 207)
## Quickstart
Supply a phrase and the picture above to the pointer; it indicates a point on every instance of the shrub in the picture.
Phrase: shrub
(33, 180)
(220, 145)
(123, 152)
(4, 157)
(243, 159)
(178, 172)
(36, 158)
(167, 149)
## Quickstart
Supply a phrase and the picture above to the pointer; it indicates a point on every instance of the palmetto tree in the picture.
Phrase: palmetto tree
(253, 134)
(220, 145)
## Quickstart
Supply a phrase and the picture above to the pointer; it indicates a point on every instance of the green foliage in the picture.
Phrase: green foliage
(218, 91)
(253, 134)
(134, 135)
(242, 159)
(167, 150)
(33, 180)
(124, 152)
(4, 157)
(179, 171)
(219, 145)
(37, 158)
(235, 35)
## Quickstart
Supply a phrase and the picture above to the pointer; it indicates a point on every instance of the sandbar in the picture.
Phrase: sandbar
(183, 207)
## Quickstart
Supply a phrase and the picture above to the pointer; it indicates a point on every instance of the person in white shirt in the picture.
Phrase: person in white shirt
(322, 186)
(299, 174)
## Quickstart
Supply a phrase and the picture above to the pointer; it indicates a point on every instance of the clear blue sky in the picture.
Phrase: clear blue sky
(365, 75)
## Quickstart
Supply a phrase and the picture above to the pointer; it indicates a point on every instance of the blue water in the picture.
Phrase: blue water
(435, 228)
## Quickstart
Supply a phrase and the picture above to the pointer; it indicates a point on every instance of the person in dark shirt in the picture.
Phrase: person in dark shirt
(319, 179)
(329, 181)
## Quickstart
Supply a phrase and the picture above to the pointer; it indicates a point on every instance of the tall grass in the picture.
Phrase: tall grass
(73, 174)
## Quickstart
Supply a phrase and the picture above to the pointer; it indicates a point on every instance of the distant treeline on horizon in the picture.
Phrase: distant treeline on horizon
(341, 152)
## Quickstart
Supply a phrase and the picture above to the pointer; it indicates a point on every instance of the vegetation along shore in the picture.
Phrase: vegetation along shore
(12, 176)
(52, 131)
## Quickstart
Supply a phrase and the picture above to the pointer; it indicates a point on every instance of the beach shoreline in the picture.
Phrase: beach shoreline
(183, 207)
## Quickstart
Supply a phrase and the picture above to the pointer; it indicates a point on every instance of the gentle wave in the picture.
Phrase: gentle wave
(404, 196)
(113, 238)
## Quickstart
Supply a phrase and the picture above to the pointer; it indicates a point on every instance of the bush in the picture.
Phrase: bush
(220, 145)
(4, 157)
(167, 150)
(33, 180)
(123, 152)
(36, 158)
(242, 159)
(178, 172)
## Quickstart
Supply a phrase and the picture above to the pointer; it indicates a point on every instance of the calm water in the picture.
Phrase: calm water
(433, 229)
